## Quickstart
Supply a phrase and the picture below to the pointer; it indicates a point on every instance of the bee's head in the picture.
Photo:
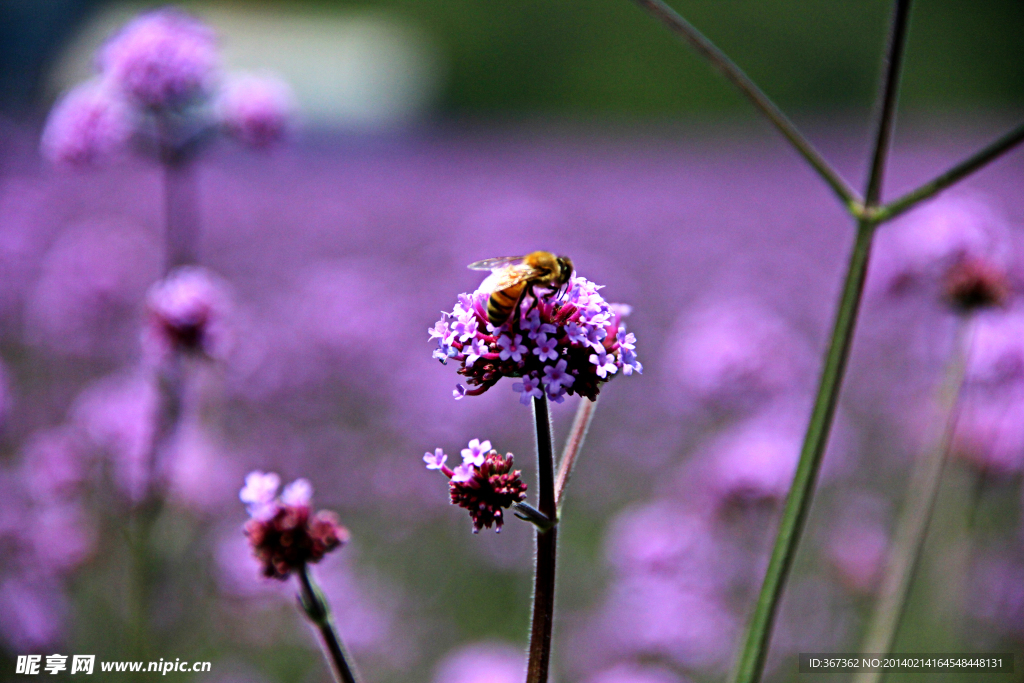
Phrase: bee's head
(564, 270)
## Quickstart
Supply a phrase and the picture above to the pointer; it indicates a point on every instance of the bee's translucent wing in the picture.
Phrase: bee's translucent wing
(495, 263)
(506, 277)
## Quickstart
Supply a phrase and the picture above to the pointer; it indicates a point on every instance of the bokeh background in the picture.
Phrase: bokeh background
(434, 134)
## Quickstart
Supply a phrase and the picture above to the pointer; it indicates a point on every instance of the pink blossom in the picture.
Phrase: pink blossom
(162, 59)
(256, 110)
(89, 124)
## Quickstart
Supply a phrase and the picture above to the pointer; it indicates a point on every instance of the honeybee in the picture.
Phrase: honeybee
(511, 276)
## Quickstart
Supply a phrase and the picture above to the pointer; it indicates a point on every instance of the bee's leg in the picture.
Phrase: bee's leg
(533, 299)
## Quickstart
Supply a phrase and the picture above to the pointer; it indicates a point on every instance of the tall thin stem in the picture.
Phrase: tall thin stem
(966, 167)
(887, 101)
(319, 612)
(544, 576)
(718, 59)
(181, 210)
(798, 503)
(912, 527)
(577, 434)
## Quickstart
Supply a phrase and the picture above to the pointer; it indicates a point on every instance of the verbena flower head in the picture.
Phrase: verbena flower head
(186, 313)
(162, 59)
(485, 483)
(282, 531)
(735, 355)
(557, 342)
(925, 249)
(90, 124)
(256, 110)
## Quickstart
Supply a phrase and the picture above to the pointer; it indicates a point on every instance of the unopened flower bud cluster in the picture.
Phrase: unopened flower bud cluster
(484, 484)
(284, 533)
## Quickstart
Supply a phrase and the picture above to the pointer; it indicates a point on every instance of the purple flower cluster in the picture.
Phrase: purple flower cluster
(89, 124)
(158, 76)
(485, 483)
(256, 110)
(162, 59)
(558, 343)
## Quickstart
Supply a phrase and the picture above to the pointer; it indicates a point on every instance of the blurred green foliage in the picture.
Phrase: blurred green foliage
(607, 57)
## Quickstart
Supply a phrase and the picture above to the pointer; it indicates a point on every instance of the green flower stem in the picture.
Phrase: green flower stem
(752, 658)
(912, 527)
(709, 51)
(544, 577)
(315, 606)
(953, 175)
(578, 433)
(798, 502)
(887, 101)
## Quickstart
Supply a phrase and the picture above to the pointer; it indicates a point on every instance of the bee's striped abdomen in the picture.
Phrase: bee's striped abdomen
(502, 302)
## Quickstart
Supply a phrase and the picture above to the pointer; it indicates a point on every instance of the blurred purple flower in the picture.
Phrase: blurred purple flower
(857, 550)
(53, 464)
(650, 615)
(91, 285)
(990, 424)
(918, 250)
(635, 673)
(187, 312)
(997, 594)
(117, 414)
(162, 59)
(735, 355)
(90, 124)
(32, 612)
(754, 462)
(548, 341)
(257, 110)
(62, 537)
(482, 663)
(666, 539)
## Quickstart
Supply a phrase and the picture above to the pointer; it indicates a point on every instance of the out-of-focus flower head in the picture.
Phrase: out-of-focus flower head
(857, 549)
(32, 611)
(754, 463)
(634, 673)
(657, 616)
(482, 663)
(947, 247)
(990, 423)
(997, 596)
(90, 124)
(735, 355)
(256, 110)
(283, 532)
(186, 313)
(558, 342)
(162, 59)
(117, 415)
(484, 484)
(87, 298)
